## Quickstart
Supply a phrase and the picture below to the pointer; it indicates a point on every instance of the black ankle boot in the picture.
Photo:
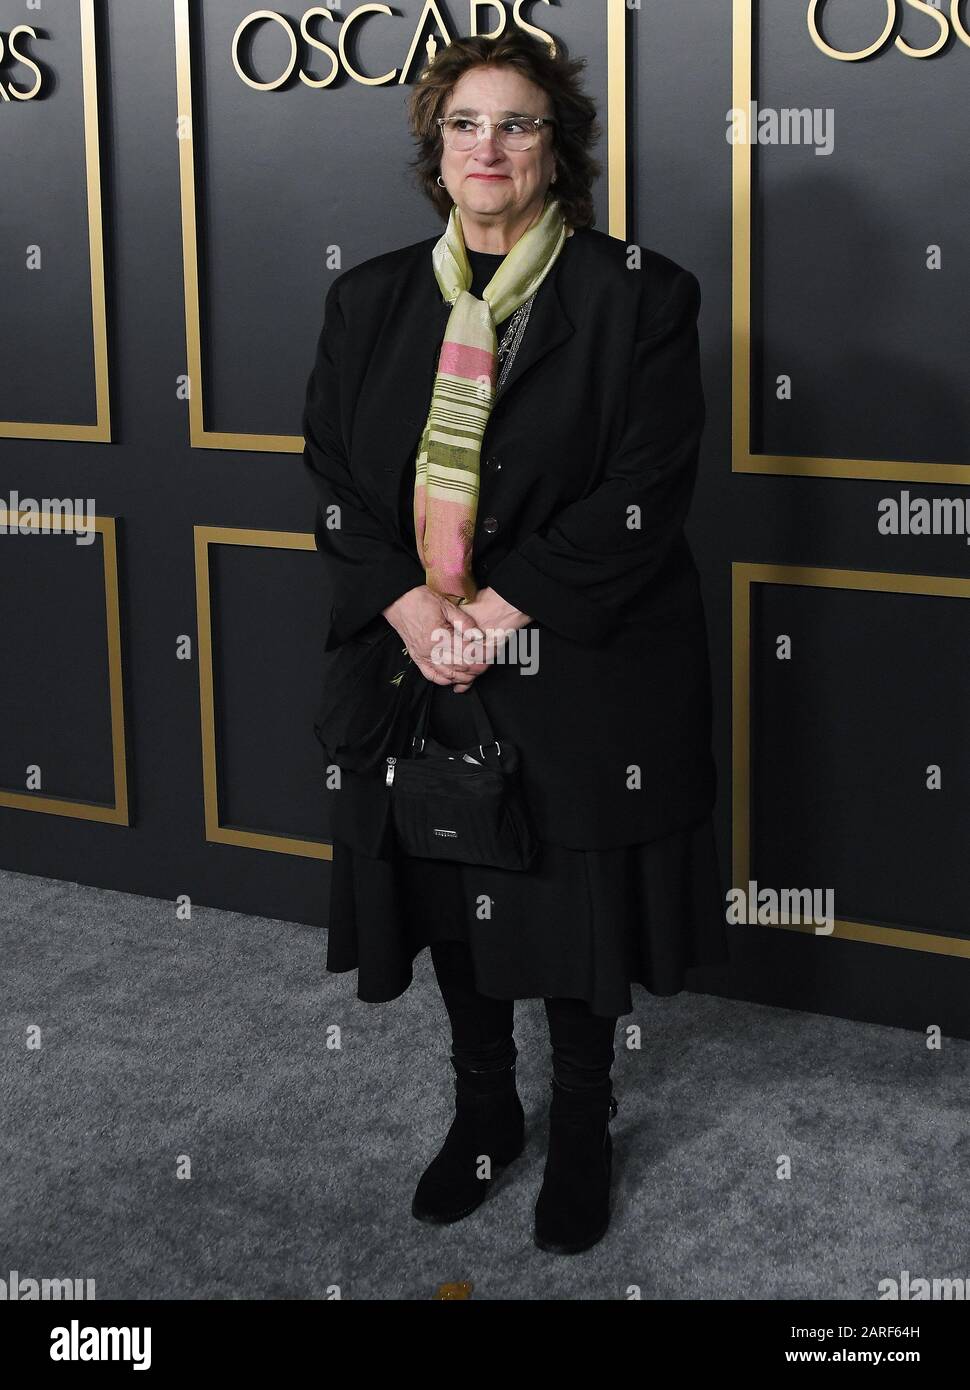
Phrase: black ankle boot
(489, 1120)
(573, 1208)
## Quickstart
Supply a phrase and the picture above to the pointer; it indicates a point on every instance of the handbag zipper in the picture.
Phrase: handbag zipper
(390, 771)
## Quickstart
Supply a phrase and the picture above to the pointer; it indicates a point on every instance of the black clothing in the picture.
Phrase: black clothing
(484, 264)
(588, 467)
(602, 412)
(579, 924)
(481, 1028)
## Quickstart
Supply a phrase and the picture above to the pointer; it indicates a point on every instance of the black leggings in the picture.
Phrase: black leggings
(481, 1027)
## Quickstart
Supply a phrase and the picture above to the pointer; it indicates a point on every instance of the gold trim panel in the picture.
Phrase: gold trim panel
(744, 575)
(199, 436)
(117, 813)
(214, 829)
(99, 433)
(743, 460)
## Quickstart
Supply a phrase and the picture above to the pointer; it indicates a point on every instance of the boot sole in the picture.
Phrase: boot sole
(434, 1218)
(554, 1248)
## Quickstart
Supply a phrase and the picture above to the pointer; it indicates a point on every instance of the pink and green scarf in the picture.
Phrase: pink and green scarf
(449, 454)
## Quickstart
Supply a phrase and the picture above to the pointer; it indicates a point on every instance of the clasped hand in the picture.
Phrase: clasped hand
(453, 645)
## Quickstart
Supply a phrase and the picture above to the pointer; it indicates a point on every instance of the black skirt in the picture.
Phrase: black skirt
(579, 924)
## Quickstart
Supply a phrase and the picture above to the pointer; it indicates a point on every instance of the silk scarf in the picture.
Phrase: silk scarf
(448, 460)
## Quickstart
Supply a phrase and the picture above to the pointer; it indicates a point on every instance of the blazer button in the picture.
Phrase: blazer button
(490, 525)
(493, 463)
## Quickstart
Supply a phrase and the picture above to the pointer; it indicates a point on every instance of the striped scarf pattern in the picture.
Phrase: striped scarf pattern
(448, 460)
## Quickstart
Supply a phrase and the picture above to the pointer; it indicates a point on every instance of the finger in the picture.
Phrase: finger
(472, 649)
(451, 610)
(464, 668)
(451, 672)
(451, 662)
(431, 673)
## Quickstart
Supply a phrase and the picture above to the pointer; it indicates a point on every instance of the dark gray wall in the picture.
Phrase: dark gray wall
(876, 345)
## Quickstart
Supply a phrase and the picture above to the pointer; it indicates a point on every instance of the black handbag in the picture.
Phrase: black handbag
(463, 805)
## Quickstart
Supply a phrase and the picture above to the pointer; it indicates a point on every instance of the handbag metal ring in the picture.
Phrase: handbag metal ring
(497, 745)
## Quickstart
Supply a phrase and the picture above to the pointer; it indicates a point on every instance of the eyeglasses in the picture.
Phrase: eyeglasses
(514, 133)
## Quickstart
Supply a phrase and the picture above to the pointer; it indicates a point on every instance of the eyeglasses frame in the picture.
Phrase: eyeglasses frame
(537, 121)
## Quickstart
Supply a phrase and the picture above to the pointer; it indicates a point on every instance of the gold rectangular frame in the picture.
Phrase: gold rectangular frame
(744, 575)
(117, 813)
(99, 433)
(199, 436)
(743, 460)
(214, 830)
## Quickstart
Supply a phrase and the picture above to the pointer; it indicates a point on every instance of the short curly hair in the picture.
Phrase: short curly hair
(575, 132)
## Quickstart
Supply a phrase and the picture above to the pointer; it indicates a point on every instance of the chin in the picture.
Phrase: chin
(490, 203)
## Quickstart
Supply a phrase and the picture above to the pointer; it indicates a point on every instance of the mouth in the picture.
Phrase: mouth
(490, 178)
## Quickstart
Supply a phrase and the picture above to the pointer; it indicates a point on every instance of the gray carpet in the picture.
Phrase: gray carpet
(162, 1039)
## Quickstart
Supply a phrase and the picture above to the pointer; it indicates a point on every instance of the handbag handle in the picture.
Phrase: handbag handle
(483, 729)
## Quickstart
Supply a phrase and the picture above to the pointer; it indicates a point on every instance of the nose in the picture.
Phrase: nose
(488, 143)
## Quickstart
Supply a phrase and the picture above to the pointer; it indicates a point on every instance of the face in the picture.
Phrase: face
(495, 187)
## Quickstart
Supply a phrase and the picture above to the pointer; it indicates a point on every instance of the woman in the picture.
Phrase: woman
(553, 372)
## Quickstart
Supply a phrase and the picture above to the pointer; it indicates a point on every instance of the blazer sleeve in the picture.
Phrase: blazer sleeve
(368, 567)
(577, 574)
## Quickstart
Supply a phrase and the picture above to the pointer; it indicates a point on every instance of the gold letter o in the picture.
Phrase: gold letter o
(250, 19)
(849, 57)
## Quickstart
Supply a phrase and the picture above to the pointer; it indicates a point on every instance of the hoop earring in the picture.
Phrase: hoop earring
(441, 181)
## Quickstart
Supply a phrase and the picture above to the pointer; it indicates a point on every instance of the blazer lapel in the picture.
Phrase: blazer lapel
(549, 326)
(401, 374)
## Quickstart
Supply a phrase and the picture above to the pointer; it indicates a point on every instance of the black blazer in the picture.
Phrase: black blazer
(597, 425)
